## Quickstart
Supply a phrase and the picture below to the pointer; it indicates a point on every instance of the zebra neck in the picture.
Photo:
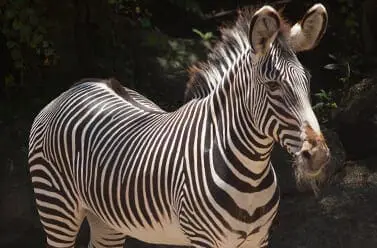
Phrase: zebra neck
(235, 131)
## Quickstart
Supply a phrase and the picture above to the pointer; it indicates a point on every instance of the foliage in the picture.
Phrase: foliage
(342, 66)
(350, 31)
(349, 62)
(24, 29)
(178, 57)
(134, 9)
(173, 55)
(205, 36)
(188, 5)
(347, 8)
(325, 104)
(137, 9)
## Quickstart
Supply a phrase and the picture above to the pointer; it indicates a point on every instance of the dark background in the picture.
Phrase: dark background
(47, 45)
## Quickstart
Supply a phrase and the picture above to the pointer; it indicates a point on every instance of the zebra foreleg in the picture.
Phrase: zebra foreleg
(103, 236)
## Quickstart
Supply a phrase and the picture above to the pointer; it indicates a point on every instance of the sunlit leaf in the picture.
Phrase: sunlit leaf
(332, 56)
(173, 44)
(334, 105)
(208, 35)
(318, 105)
(333, 66)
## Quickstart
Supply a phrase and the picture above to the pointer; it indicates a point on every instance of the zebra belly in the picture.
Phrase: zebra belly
(168, 233)
(165, 231)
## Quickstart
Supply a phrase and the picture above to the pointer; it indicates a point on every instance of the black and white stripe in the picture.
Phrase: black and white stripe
(199, 176)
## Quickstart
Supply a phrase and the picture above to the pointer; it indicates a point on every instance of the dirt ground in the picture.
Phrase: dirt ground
(345, 217)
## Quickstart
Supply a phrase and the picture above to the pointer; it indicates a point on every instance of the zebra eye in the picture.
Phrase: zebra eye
(273, 85)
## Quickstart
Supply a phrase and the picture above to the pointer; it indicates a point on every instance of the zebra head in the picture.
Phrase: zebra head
(281, 87)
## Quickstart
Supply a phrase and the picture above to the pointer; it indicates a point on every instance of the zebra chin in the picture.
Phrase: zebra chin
(311, 162)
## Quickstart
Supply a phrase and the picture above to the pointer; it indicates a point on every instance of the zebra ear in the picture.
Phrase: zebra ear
(307, 33)
(264, 26)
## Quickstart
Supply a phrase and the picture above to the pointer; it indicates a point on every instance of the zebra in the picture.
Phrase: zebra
(199, 176)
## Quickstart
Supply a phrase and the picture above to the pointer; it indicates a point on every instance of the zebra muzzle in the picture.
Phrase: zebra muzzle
(314, 153)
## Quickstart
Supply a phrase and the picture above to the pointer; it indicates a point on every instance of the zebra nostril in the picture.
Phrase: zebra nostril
(306, 154)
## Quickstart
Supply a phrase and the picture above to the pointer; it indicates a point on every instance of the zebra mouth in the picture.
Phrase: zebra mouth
(311, 167)
(309, 177)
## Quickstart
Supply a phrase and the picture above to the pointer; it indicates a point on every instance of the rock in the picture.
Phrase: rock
(356, 120)
(338, 154)
(356, 174)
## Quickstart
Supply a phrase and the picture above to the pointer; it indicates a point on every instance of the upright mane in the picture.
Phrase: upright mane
(204, 76)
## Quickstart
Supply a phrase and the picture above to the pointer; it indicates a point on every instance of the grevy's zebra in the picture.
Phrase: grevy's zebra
(199, 176)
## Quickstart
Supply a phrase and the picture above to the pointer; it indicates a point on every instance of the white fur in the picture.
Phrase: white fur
(265, 29)
(305, 34)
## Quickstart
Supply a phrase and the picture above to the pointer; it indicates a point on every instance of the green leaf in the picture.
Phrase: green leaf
(333, 66)
(163, 62)
(208, 36)
(332, 56)
(196, 31)
(173, 44)
(334, 105)
(318, 106)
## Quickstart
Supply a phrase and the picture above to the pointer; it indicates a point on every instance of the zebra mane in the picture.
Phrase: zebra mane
(204, 76)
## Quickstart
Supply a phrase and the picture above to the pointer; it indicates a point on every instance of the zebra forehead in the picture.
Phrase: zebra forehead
(281, 69)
